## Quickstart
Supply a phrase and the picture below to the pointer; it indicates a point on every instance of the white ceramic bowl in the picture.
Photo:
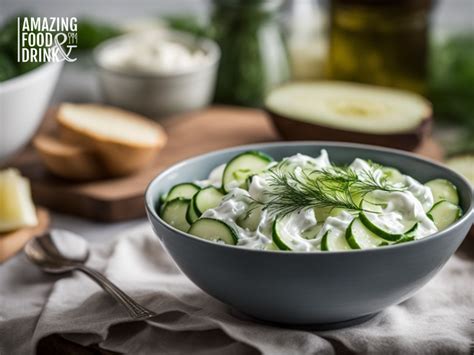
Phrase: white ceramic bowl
(157, 95)
(23, 102)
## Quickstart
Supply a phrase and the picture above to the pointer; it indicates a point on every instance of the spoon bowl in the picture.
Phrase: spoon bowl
(59, 251)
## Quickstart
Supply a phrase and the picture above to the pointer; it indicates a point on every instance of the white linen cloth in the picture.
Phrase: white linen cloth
(437, 320)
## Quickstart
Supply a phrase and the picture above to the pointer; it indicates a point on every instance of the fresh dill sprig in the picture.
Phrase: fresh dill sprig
(333, 187)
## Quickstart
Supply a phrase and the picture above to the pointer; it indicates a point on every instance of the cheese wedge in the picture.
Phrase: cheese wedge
(16, 206)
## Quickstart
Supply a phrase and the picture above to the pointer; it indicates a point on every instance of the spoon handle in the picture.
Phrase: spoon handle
(135, 310)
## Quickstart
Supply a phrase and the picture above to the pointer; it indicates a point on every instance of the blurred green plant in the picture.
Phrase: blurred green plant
(92, 32)
(9, 65)
(451, 86)
(188, 23)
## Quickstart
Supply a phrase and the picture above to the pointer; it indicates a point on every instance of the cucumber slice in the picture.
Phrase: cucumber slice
(393, 175)
(281, 240)
(242, 166)
(358, 236)
(463, 165)
(372, 206)
(207, 198)
(332, 241)
(191, 214)
(285, 240)
(185, 190)
(444, 213)
(271, 246)
(366, 219)
(406, 238)
(174, 213)
(214, 230)
(443, 190)
(251, 220)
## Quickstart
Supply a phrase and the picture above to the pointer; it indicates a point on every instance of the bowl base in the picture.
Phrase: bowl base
(310, 326)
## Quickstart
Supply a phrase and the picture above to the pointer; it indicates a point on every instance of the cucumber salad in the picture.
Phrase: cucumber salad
(304, 203)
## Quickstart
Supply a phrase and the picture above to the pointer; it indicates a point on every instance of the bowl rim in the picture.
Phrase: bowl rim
(23, 79)
(210, 46)
(467, 216)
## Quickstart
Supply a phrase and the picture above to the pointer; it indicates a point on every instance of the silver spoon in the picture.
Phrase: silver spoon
(59, 251)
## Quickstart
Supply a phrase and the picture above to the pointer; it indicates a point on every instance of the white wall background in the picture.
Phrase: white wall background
(451, 14)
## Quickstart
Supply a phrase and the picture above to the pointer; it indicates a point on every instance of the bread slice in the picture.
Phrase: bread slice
(125, 142)
(70, 161)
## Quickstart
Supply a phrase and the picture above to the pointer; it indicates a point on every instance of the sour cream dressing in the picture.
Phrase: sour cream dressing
(401, 208)
(152, 52)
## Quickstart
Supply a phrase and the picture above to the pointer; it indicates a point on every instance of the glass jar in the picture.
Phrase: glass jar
(382, 42)
(253, 58)
(306, 33)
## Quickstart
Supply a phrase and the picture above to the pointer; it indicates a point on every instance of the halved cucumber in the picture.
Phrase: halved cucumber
(444, 213)
(333, 241)
(214, 230)
(358, 236)
(242, 166)
(185, 190)
(207, 198)
(366, 219)
(443, 190)
(174, 213)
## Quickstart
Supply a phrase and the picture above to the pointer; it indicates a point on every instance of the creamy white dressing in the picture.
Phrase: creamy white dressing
(152, 52)
(400, 210)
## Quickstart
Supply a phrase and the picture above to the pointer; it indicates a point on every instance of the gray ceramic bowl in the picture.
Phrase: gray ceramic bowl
(326, 289)
(157, 95)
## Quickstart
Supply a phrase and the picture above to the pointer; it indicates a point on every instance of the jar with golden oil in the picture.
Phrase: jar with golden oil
(381, 42)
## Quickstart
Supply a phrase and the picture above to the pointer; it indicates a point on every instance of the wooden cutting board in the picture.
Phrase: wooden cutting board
(12, 242)
(189, 135)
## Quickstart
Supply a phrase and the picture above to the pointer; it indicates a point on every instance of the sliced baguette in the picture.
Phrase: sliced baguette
(70, 161)
(125, 142)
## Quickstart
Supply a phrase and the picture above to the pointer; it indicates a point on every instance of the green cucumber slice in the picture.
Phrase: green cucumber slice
(285, 241)
(251, 219)
(379, 231)
(372, 206)
(333, 241)
(443, 189)
(174, 213)
(214, 230)
(444, 213)
(404, 239)
(242, 166)
(271, 246)
(282, 241)
(207, 198)
(358, 236)
(191, 214)
(185, 190)
(393, 175)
